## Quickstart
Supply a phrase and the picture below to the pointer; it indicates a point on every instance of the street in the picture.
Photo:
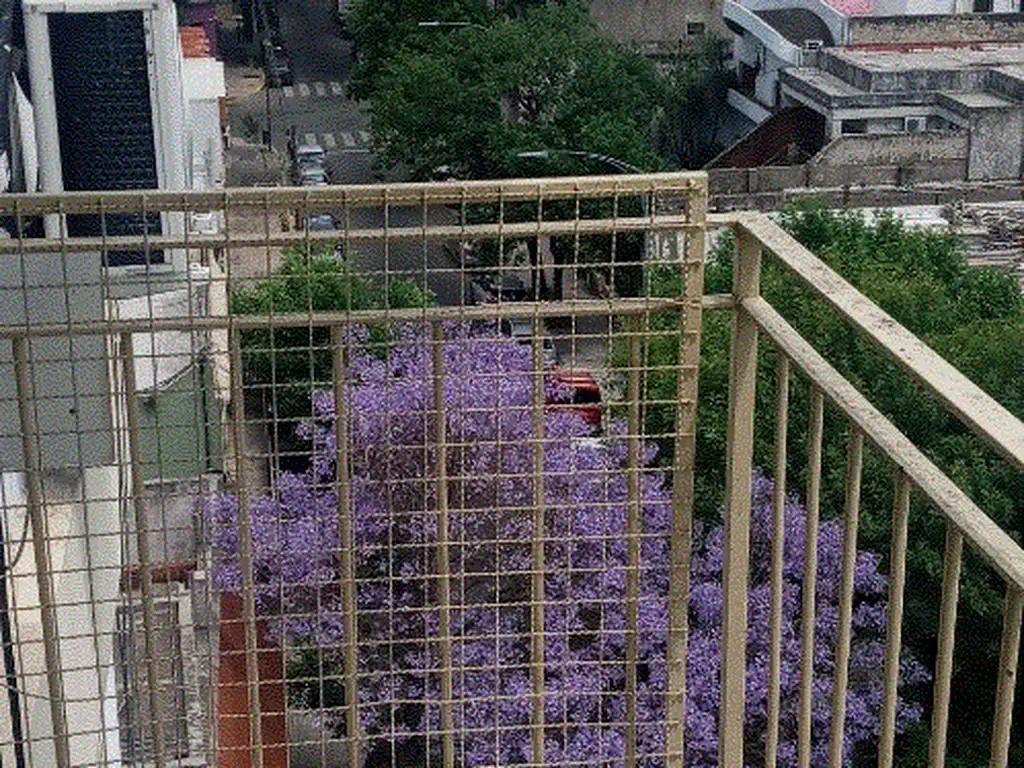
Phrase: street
(316, 108)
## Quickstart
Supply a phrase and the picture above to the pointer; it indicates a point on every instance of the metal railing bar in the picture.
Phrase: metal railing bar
(633, 532)
(851, 521)
(304, 237)
(736, 544)
(808, 590)
(40, 548)
(142, 542)
(952, 563)
(523, 309)
(346, 541)
(691, 248)
(443, 557)
(778, 554)
(358, 196)
(537, 591)
(1009, 655)
(993, 543)
(894, 618)
(245, 555)
(978, 410)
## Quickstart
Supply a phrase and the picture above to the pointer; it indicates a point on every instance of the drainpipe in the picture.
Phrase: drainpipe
(44, 103)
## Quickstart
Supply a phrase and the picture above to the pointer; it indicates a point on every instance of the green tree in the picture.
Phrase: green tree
(283, 365)
(695, 104)
(381, 28)
(974, 317)
(545, 79)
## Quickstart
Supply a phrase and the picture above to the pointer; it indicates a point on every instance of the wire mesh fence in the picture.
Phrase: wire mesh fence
(355, 476)
(404, 475)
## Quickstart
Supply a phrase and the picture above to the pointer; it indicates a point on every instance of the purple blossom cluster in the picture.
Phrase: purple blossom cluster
(490, 437)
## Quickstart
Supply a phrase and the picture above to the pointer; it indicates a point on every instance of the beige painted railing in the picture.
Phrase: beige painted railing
(394, 233)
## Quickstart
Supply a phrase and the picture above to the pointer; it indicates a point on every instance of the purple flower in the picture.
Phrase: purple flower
(392, 487)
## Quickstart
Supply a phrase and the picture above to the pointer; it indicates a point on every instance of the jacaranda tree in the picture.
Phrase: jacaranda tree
(487, 390)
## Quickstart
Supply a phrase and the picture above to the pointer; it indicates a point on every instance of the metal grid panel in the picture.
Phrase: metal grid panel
(415, 465)
(462, 582)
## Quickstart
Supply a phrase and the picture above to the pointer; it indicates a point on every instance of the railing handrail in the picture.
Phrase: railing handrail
(973, 406)
(351, 196)
(991, 541)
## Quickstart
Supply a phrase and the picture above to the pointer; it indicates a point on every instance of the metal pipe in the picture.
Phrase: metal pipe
(142, 541)
(1009, 655)
(952, 564)
(443, 557)
(537, 591)
(894, 619)
(810, 576)
(346, 541)
(245, 552)
(634, 530)
(739, 466)
(778, 551)
(854, 468)
(41, 550)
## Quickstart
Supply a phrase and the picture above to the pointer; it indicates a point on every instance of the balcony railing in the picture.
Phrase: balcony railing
(314, 490)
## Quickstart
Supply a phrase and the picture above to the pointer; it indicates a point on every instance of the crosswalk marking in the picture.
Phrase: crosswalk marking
(364, 137)
(329, 142)
(303, 90)
(310, 138)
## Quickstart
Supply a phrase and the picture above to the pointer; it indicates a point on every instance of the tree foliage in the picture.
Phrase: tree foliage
(472, 98)
(694, 103)
(283, 364)
(487, 391)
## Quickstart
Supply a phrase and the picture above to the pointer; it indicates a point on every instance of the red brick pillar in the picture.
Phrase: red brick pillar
(233, 733)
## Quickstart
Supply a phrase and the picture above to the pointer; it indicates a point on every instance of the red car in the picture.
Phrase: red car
(586, 396)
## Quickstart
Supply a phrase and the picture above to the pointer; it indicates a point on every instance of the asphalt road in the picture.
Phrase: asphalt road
(316, 108)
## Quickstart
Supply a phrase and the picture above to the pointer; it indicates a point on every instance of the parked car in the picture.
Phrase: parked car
(521, 329)
(320, 222)
(309, 154)
(586, 395)
(490, 289)
(313, 176)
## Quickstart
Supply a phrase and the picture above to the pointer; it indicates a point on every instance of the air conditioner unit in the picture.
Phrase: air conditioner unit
(915, 124)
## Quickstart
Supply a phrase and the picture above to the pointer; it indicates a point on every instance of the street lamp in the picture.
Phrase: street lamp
(547, 154)
(442, 24)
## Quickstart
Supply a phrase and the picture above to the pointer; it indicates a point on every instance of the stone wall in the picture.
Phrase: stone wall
(864, 161)
(894, 149)
(964, 28)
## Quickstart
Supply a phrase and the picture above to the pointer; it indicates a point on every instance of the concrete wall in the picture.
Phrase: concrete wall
(932, 28)
(860, 161)
(995, 151)
(655, 21)
(893, 149)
